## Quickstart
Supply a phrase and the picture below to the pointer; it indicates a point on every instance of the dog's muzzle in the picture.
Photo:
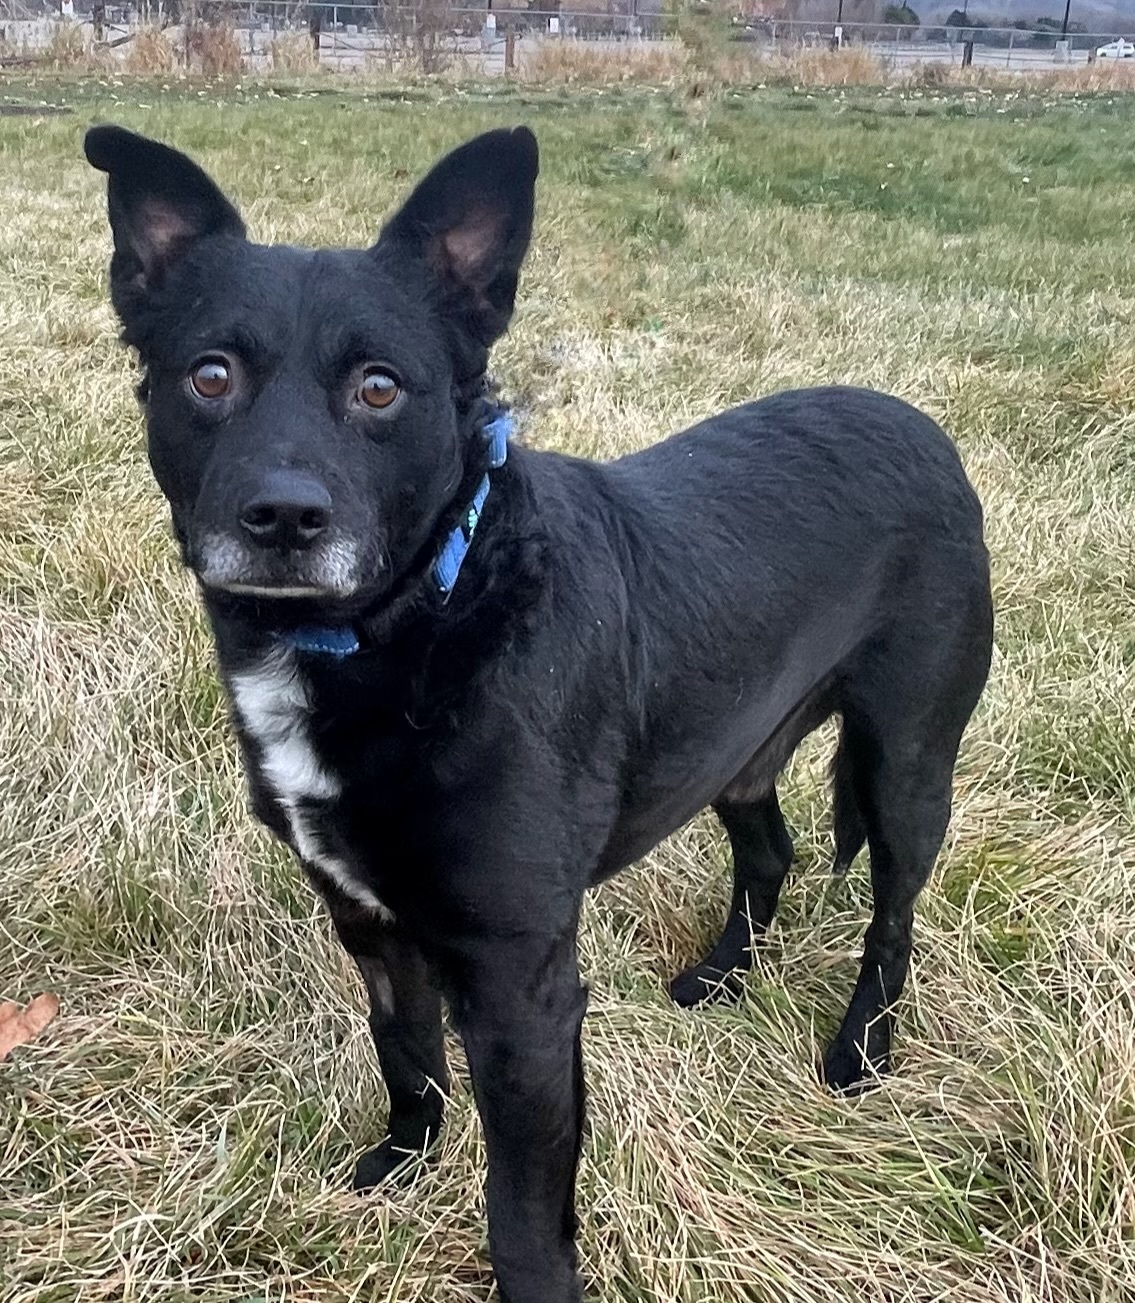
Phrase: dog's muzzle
(284, 543)
(330, 570)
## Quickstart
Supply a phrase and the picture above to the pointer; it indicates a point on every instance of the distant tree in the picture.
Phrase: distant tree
(1042, 30)
(900, 16)
(1050, 25)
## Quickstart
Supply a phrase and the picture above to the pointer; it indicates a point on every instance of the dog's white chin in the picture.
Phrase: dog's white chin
(279, 590)
(225, 565)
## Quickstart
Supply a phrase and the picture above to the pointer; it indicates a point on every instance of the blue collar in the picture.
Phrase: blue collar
(342, 640)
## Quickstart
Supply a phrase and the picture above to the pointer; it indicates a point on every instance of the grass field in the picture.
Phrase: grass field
(186, 1128)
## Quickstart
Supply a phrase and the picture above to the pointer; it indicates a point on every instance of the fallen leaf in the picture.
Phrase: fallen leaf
(20, 1025)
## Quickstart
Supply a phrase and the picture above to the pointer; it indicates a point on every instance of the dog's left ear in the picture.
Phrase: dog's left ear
(470, 221)
(159, 203)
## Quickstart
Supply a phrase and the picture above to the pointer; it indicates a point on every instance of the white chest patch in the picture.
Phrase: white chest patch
(274, 706)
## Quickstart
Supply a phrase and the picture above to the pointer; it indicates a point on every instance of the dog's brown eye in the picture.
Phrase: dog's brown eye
(379, 389)
(211, 378)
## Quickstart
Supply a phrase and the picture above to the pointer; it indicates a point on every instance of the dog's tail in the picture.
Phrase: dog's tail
(850, 831)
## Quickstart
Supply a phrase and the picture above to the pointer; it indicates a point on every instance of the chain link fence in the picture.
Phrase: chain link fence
(342, 36)
(488, 36)
(1016, 48)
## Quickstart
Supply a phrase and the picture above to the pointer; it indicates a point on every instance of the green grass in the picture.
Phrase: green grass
(186, 1128)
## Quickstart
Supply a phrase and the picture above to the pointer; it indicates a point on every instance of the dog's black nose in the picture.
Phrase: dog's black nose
(289, 510)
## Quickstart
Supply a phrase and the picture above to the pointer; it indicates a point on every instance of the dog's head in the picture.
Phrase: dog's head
(303, 407)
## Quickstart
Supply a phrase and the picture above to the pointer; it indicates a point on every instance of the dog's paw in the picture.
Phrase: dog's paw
(847, 1071)
(381, 1164)
(702, 983)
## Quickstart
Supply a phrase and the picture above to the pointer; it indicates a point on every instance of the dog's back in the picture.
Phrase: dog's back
(750, 572)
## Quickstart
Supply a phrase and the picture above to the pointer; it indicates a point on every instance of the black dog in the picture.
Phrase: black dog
(471, 680)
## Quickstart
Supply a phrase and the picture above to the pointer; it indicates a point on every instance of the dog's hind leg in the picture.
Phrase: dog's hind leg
(762, 854)
(405, 1021)
(903, 721)
(906, 806)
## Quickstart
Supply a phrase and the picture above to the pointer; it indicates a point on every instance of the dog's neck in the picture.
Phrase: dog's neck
(494, 427)
(427, 607)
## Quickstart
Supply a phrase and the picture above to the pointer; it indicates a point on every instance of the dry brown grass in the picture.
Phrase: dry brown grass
(565, 62)
(294, 53)
(853, 66)
(860, 66)
(214, 51)
(424, 46)
(149, 52)
(69, 47)
(1103, 75)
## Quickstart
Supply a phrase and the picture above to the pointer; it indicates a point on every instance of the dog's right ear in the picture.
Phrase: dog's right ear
(469, 221)
(159, 203)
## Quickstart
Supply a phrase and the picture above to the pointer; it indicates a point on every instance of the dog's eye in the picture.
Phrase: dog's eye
(211, 378)
(379, 388)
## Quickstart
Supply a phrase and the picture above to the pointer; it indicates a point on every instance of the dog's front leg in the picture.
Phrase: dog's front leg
(405, 1021)
(519, 1009)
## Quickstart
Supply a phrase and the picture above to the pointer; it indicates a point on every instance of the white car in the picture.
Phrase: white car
(1120, 49)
